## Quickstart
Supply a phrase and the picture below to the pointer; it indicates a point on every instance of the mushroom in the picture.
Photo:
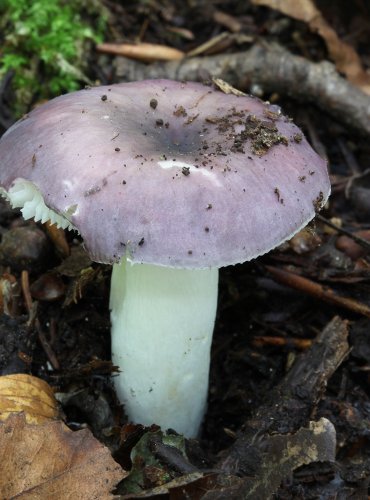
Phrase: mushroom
(167, 181)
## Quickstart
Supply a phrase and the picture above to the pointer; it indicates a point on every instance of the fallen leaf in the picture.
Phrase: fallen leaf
(191, 486)
(182, 32)
(344, 56)
(77, 261)
(230, 22)
(147, 52)
(77, 266)
(51, 461)
(147, 470)
(32, 396)
(287, 452)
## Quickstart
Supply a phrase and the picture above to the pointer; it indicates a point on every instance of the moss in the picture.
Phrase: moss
(44, 44)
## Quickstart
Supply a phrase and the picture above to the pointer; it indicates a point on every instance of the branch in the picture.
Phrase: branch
(272, 68)
(317, 290)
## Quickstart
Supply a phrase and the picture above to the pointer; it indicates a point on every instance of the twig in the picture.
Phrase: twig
(361, 241)
(141, 51)
(46, 346)
(25, 284)
(275, 70)
(262, 340)
(316, 290)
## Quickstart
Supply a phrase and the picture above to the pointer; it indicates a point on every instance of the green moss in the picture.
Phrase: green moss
(44, 42)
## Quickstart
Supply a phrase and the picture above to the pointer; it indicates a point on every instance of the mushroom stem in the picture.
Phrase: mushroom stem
(162, 326)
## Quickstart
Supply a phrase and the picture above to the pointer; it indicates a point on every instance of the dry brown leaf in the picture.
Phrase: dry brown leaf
(226, 88)
(344, 56)
(31, 395)
(50, 461)
(73, 265)
(147, 52)
(182, 32)
(230, 22)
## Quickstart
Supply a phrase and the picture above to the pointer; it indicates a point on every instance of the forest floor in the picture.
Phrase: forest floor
(289, 402)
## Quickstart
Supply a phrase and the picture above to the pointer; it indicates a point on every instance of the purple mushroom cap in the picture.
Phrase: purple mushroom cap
(168, 173)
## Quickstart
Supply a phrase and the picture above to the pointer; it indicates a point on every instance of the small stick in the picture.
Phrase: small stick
(361, 241)
(25, 284)
(259, 341)
(316, 290)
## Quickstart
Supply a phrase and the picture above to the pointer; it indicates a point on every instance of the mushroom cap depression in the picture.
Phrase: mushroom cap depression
(168, 173)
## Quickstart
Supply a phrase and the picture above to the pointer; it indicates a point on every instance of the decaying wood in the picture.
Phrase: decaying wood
(300, 390)
(276, 429)
(270, 68)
